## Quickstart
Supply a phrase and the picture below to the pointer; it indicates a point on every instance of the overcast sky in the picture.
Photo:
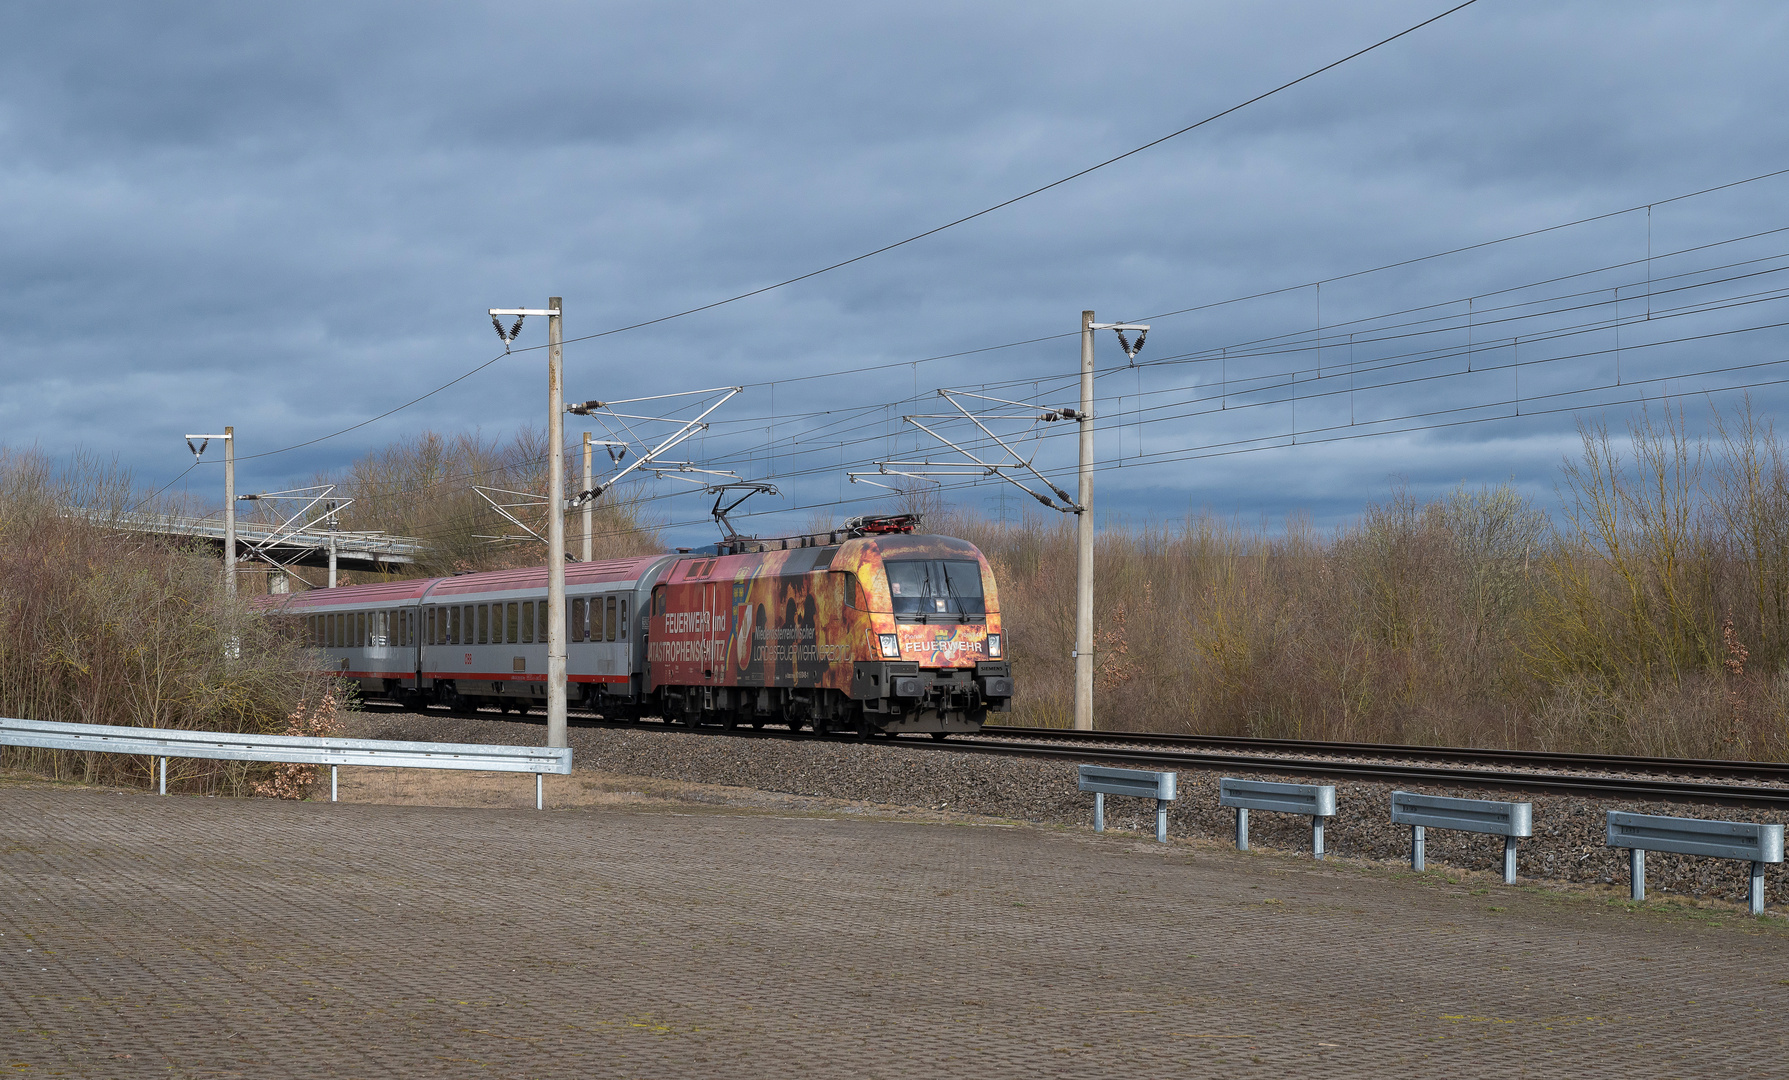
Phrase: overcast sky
(292, 219)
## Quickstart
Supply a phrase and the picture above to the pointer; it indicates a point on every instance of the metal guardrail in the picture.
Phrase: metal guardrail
(1506, 819)
(1136, 783)
(1315, 801)
(165, 743)
(1743, 840)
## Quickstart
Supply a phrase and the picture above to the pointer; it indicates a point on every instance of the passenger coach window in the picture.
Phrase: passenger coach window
(574, 620)
(609, 619)
(484, 623)
(510, 622)
(622, 626)
(527, 620)
(540, 611)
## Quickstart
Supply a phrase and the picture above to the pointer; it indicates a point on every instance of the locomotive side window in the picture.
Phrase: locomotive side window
(936, 587)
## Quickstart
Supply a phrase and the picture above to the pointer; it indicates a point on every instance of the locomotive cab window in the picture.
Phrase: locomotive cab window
(936, 587)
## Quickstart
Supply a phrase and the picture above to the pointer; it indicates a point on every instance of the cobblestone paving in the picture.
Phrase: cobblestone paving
(150, 936)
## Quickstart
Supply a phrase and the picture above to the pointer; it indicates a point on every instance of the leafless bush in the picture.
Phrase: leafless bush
(100, 625)
(1654, 619)
(424, 487)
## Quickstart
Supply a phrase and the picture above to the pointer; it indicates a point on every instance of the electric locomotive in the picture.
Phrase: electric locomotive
(873, 628)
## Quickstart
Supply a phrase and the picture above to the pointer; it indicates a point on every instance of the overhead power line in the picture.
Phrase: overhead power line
(935, 230)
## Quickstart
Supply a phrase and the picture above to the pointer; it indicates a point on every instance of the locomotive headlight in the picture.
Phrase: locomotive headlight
(891, 647)
(993, 644)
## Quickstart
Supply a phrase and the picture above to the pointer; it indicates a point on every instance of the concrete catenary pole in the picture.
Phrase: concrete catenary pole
(1084, 540)
(230, 512)
(589, 503)
(556, 733)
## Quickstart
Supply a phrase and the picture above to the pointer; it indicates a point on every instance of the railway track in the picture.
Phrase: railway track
(1608, 776)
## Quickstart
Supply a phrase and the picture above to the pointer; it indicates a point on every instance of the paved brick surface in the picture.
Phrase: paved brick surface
(203, 937)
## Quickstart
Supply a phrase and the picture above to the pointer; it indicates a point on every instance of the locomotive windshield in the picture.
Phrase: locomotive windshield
(935, 587)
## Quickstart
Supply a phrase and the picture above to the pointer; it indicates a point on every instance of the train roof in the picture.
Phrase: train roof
(529, 577)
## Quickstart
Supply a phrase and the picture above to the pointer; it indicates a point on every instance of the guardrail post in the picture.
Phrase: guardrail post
(164, 769)
(1509, 860)
(1755, 895)
(1161, 821)
(1242, 828)
(1416, 847)
(332, 788)
(1636, 868)
(1316, 836)
(540, 791)
(1099, 811)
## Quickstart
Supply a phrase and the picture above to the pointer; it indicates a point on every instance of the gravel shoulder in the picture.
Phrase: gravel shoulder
(921, 781)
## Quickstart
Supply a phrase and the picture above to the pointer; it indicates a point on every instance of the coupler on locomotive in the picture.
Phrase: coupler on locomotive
(900, 695)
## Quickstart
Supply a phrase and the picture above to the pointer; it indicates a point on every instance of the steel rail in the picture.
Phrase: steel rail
(1135, 749)
(1545, 759)
(1625, 787)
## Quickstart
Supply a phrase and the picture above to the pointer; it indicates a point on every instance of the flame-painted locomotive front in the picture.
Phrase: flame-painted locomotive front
(894, 633)
(934, 659)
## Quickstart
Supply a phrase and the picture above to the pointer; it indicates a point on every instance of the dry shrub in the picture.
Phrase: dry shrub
(292, 780)
(100, 625)
(1653, 620)
(423, 487)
